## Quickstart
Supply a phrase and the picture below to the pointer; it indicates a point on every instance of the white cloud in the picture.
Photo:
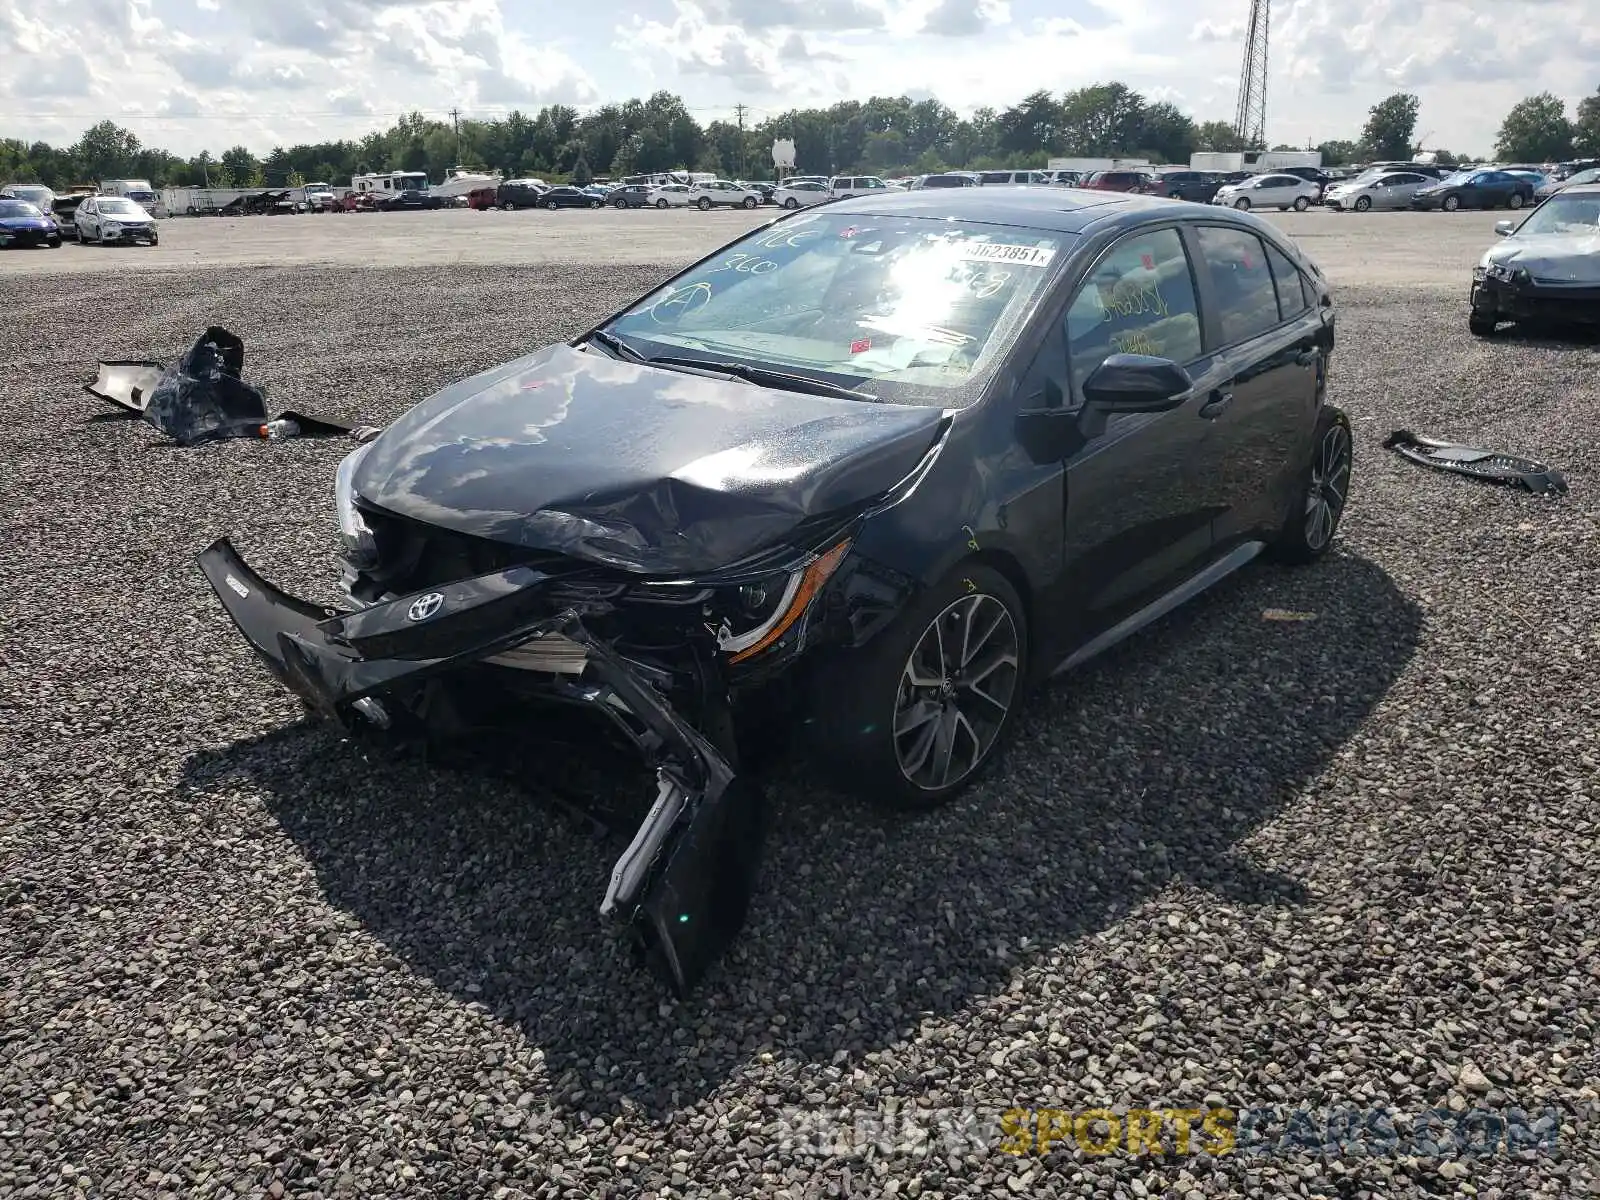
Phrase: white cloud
(195, 74)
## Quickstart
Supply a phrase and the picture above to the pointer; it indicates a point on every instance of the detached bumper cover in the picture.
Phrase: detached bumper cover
(683, 884)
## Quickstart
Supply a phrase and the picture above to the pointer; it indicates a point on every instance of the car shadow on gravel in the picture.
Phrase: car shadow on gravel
(1143, 771)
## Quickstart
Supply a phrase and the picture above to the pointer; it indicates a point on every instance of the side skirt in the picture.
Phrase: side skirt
(1160, 607)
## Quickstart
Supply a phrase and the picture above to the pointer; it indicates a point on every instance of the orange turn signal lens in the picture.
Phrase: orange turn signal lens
(816, 574)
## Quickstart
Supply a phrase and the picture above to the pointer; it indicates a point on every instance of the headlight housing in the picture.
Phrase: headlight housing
(1509, 274)
(757, 613)
(359, 545)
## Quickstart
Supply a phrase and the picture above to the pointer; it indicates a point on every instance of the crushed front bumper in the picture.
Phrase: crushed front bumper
(1513, 300)
(684, 883)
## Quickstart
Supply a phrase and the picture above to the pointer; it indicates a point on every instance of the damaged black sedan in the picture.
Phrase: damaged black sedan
(880, 466)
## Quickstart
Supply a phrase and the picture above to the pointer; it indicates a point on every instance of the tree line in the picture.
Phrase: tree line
(882, 135)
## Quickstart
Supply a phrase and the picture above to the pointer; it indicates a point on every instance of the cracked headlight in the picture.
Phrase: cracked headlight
(359, 546)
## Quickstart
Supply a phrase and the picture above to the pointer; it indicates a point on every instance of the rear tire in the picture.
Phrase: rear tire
(863, 696)
(1515, 202)
(1313, 518)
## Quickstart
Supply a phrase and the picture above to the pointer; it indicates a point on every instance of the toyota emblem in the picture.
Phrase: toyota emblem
(424, 607)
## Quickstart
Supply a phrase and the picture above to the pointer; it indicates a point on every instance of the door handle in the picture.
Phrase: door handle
(1216, 404)
(1307, 356)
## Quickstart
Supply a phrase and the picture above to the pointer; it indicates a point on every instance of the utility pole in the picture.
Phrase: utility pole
(455, 116)
(739, 111)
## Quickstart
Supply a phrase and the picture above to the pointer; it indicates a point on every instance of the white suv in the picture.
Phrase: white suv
(721, 191)
(846, 186)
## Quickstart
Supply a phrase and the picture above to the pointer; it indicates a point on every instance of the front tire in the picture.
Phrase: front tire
(551, 205)
(1301, 204)
(749, 201)
(1481, 326)
(791, 202)
(916, 716)
(704, 204)
(594, 204)
(1450, 203)
(1313, 519)
(1363, 203)
(1242, 204)
(619, 204)
(661, 204)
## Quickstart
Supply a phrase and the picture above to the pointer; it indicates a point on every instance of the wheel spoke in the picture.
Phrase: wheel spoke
(945, 741)
(913, 762)
(983, 638)
(918, 715)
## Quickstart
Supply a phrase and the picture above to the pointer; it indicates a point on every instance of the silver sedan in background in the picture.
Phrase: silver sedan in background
(1393, 189)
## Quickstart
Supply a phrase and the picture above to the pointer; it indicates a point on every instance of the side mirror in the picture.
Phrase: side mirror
(1504, 228)
(1137, 383)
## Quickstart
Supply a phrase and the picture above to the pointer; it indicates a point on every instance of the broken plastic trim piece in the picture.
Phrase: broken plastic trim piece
(684, 885)
(1489, 466)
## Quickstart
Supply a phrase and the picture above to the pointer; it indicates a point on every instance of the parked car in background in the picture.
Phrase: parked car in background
(64, 209)
(23, 224)
(1475, 189)
(764, 486)
(630, 195)
(1063, 178)
(945, 179)
(1387, 191)
(36, 194)
(1554, 185)
(107, 219)
(1565, 171)
(1135, 182)
(669, 195)
(801, 194)
(1011, 178)
(723, 193)
(846, 186)
(1276, 190)
(520, 193)
(1198, 186)
(483, 198)
(567, 196)
(410, 201)
(1545, 270)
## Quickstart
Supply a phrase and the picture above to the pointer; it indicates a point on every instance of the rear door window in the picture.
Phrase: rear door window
(1241, 278)
(1138, 299)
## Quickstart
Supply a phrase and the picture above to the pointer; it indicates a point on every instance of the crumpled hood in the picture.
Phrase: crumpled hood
(1554, 257)
(637, 467)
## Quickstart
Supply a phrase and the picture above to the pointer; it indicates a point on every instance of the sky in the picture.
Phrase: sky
(188, 75)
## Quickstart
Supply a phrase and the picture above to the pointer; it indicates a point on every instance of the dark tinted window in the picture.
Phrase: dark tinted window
(1138, 299)
(1247, 302)
(1291, 300)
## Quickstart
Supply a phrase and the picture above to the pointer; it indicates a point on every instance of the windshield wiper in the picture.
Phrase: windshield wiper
(766, 377)
(615, 345)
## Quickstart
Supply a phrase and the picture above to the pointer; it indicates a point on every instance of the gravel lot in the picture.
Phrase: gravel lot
(1344, 861)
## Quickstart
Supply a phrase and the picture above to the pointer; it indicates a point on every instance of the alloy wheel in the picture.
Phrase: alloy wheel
(955, 692)
(1330, 483)
(1242, 202)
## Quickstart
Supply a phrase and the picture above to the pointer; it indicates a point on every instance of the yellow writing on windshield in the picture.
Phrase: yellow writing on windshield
(1130, 299)
(1137, 341)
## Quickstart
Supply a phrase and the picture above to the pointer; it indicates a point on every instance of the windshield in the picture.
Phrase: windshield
(33, 195)
(18, 208)
(119, 208)
(413, 183)
(915, 310)
(1564, 215)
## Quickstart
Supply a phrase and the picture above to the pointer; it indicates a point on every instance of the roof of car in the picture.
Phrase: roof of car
(1581, 189)
(1060, 210)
